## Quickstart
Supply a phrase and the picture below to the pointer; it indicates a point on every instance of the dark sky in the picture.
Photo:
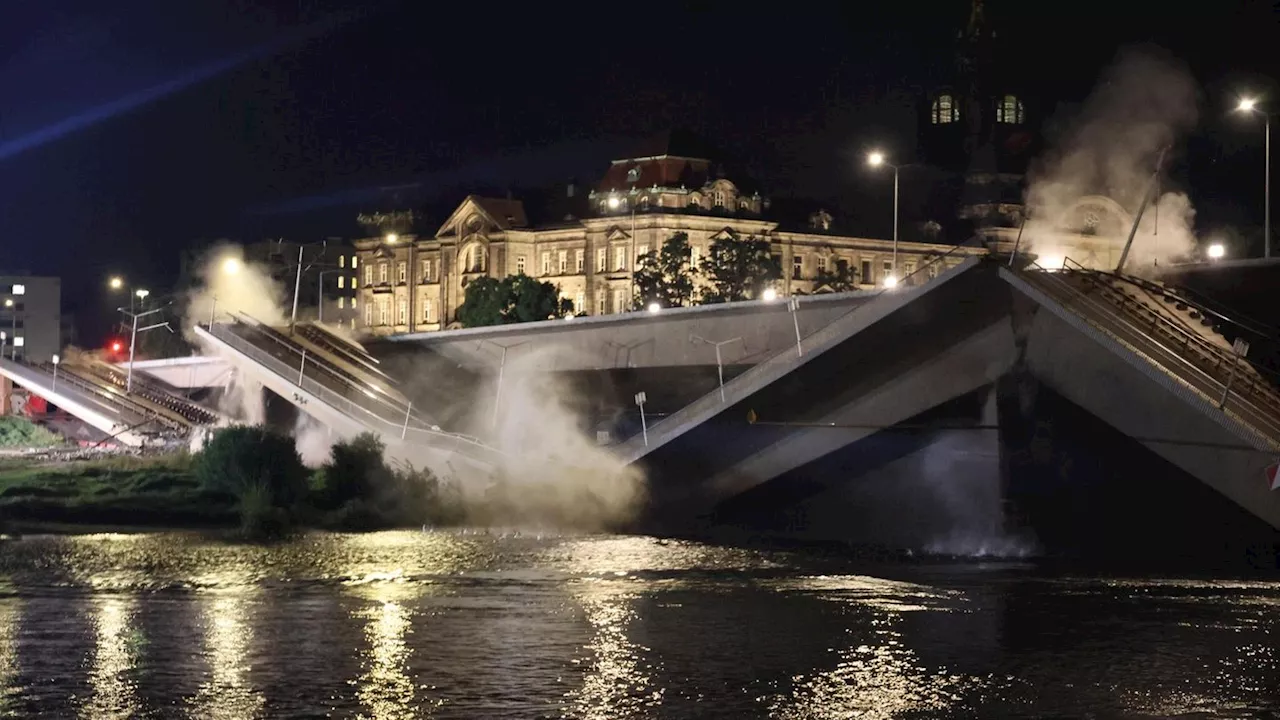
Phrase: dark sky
(133, 129)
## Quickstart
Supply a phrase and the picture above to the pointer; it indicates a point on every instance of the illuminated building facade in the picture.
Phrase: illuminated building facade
(588, 242)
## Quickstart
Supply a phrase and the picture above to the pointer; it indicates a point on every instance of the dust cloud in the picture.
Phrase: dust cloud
(555, 475)
(1145, 102)
(227, 284)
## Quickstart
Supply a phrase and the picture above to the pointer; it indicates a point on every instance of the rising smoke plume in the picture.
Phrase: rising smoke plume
(1145, 102)
(226, 284)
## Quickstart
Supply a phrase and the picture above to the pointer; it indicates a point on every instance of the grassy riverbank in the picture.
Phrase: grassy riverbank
(110, 491)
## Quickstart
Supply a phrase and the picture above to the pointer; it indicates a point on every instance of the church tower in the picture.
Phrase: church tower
(976, 127)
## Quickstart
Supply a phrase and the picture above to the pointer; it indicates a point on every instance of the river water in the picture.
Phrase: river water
(458, 625)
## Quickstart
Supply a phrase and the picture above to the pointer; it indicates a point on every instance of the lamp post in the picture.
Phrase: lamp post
(719, 362)
(134, 330)
(614, 202)
(1250, 105)
(876, 159)
(13, 327)
(56, 360)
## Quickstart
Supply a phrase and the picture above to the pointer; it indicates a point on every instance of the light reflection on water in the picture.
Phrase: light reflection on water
(227, 610)
(10, 617)
(115, 655)
(409, 624)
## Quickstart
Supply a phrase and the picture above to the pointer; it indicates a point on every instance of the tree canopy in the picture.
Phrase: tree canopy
(513, 299)
(738, 269)
(665, 275)
(841, 279)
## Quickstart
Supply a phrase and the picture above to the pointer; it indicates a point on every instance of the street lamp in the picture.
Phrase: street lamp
(1216, 251)
(876, 159)
(891, 282)
(231, 265)
(116, 282)
(1250, 105)
(769, 295)
(56, 360)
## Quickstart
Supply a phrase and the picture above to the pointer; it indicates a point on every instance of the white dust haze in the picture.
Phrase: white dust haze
(1146, 101)
(555, 478)
(556, 475)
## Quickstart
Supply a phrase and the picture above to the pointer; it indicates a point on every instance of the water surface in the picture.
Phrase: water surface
(459, 625)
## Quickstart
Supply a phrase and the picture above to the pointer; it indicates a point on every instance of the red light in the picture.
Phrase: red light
(115, 346)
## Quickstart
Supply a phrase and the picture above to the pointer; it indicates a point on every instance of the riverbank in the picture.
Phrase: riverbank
(138, 492)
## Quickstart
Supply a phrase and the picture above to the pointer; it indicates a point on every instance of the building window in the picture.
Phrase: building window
(353, 283)
(342, 261)
(601, 299)
(426, 271)
(633, 175)
(644, 203)
(368, 274)
(341, 281)
(617, 300)
(368, 315)
(19, 289)
(888, 268)
(402, 272)
(382, 273)
(383, 312)
(602, 258)
(695, 255)
(519, 264)
(620, 258)
(353, 303)
(402, 317)
(718, 195)
(866, 278)
(342, 302)
(945, 110)
(19, 341)
(908, 269)
(562, 261)
(580, 302)
(641, 251)
(426, 310)
(546, 263)
(797, 267)
(1009, 110)
(822, 263)
(354, 262)
(579, 260)
(475, 259)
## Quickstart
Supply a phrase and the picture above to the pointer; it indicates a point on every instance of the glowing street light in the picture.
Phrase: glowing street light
(56, 360)
(877, 159)
(116, 282)
(1216, 251)
(231, 266)
(391, 237)
(891, 281)
(769, 295)
(654, 308)
(614, 202)
(142, 294)
(1250, 105)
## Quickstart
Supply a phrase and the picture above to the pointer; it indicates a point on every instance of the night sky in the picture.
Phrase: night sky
(134, 129)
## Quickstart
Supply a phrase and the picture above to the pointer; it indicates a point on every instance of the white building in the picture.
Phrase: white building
(31, 316)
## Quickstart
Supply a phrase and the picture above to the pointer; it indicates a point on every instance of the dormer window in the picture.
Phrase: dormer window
(719, 198)
(1009, 110)
(633, 175)
(944, 110)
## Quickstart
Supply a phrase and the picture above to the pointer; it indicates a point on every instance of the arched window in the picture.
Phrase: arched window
(1009, 110)
(945, 110)
(719, 198)
(644, 202)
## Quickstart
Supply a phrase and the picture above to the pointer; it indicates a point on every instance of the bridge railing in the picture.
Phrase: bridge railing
(118, 400)
(1215, 357)
(365, 411)
(781, 362)
(1179, 352)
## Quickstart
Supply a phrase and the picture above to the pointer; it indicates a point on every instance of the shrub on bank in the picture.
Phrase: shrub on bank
(358, 490)
(261, 469)
(19, 432)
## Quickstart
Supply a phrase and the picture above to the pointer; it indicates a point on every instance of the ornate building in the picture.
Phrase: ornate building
(587, 243)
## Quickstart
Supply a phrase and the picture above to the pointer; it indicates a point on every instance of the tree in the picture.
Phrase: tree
(842, 279)
(261, 469)
(739, 269)
(665, 276)
(519, 298)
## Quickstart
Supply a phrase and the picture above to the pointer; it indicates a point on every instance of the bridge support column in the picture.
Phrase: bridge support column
(6, 396)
